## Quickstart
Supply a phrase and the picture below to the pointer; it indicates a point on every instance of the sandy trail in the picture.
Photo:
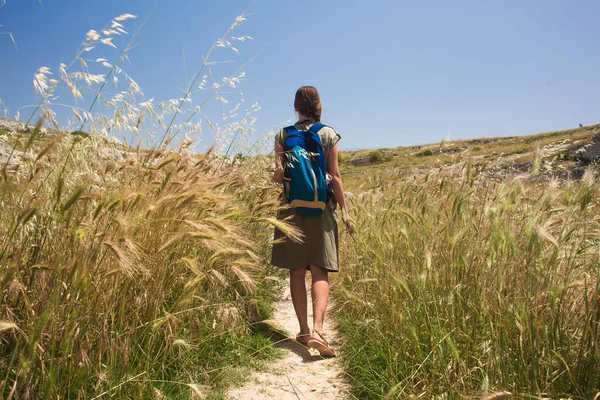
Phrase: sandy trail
(300, 374)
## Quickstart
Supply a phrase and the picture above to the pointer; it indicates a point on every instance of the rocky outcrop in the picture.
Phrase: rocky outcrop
(9, 158)
(366, 160)
(12, 127)
(13, 160)
(590, 153)
(373, 157)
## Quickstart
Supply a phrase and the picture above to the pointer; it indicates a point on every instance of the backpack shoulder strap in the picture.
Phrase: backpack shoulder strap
(286, 132)
(316, 127)
(290, 129)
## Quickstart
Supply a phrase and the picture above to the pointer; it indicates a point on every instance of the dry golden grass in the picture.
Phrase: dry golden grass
(458, 285)
(148, 267)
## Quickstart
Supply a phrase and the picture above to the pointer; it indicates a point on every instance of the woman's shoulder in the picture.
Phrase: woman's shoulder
(327, 128)
(329, 135)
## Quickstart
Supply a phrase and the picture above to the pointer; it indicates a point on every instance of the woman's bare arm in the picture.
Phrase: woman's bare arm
(278, 173)
(337, 185)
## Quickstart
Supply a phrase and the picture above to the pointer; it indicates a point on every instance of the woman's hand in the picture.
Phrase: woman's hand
(338, 189)
(348, 223)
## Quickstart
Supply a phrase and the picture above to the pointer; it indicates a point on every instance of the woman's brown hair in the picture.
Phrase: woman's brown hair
(308, 102)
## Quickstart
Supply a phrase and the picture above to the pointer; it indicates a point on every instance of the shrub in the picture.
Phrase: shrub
(376, 156)
(424, 153)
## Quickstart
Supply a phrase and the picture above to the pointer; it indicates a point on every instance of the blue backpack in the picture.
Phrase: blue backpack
(305, 173)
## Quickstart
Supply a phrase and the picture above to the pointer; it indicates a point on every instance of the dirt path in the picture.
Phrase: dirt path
(300, 374)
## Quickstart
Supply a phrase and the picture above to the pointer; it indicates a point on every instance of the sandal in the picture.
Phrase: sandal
(321, 345)
(303, 338)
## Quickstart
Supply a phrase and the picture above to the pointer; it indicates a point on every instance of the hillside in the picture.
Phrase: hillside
(556, 154)
(562, 154)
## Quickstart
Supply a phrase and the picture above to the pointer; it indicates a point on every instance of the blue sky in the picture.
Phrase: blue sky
(390, 73)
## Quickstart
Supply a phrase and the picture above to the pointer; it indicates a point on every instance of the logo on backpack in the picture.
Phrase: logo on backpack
(305, 173)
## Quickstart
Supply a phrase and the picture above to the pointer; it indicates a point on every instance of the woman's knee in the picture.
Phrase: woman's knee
(318, 273)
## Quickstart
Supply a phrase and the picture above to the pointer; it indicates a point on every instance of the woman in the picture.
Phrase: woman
(319, 251)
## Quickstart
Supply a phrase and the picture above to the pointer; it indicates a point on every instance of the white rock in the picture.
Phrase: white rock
(5, 156)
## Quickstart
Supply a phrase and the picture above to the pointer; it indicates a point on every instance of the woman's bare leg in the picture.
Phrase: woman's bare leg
(320, 295)
(298, 292)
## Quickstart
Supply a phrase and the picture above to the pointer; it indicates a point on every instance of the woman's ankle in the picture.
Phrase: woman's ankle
(305, 331)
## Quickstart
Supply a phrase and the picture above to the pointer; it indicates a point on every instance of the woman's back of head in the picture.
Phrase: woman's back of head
(308, 102)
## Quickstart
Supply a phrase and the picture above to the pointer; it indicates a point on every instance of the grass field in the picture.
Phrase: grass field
(458, 284)
(137, 273)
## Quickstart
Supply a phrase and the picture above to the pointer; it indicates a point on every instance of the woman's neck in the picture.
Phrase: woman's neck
(302, 117)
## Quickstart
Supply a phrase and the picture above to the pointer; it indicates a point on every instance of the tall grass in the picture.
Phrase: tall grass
(122, 269)
(126, 272)
(459, 286)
